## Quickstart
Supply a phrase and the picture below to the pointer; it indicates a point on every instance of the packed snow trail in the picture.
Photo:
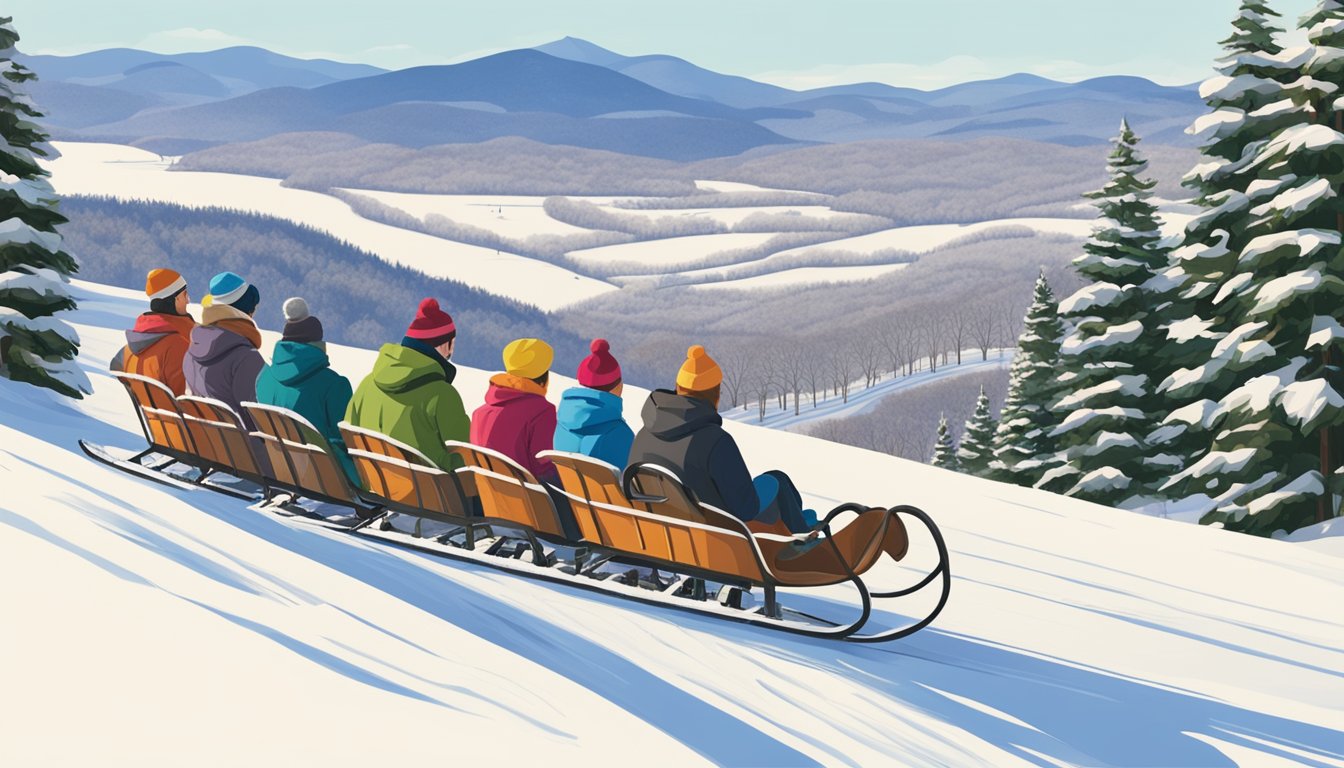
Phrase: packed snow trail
(150, 626)
(863, 400)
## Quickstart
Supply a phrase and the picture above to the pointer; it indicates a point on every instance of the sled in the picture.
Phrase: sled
(640, 536)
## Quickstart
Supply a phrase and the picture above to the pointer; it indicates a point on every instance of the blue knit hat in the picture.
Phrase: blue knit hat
(229, 288)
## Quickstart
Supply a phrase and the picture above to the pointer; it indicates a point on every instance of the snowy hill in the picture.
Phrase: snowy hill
(149, 626)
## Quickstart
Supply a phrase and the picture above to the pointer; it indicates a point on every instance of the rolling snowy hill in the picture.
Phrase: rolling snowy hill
(149, 626)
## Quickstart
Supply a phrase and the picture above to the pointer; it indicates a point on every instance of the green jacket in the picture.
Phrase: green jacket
(409, 397)
(300, 378)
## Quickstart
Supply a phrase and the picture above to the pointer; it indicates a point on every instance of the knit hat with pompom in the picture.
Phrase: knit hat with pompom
(599, 370)
(300, 326)
(699, 373)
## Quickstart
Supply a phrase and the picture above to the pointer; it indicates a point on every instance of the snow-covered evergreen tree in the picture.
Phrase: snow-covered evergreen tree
(944, 450)
(1276, 449)
(1249, 103)
(1107, 403)
(1023, 448)
(976, 449)
(35, 347)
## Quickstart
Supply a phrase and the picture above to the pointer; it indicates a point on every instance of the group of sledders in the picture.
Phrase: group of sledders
(409, 396)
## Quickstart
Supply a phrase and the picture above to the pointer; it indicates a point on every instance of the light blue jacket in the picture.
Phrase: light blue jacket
(589, 422)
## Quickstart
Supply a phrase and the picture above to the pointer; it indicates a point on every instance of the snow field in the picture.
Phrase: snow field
(514, 216)
(803, 276)
(128, 173)
(671, 251)
(188, 629)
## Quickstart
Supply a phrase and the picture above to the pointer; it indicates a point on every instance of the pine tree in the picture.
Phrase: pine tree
(35, 347)
(1277, 445)
(944, 451)
(1198, 365)
(977, 441)
(1108, 406)
(1023, 448)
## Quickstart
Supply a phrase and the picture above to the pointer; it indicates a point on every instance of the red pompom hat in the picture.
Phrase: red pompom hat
(599, 369)
(431, 323)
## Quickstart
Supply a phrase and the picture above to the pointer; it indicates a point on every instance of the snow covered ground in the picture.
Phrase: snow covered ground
(862, 400)
(802, 276)
(514, 216)
(129, 173)
(150, 626)
(924, 238)
(671, 251)
(732, 216)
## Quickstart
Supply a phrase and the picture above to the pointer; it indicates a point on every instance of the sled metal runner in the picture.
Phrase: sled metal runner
(596, 529)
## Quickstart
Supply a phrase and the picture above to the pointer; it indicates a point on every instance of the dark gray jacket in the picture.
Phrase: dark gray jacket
(686, 435)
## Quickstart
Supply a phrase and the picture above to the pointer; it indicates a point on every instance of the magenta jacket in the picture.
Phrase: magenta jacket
(518, 421)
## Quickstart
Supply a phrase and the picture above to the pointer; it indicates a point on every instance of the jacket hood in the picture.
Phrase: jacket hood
(210, 343)
(505, 388)
(230, 319)
(294, 361)
(152, 327)
(669, 416)
(401, 369)
(586, 411)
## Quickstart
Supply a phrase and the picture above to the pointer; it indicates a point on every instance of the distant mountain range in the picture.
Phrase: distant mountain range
(566, 92)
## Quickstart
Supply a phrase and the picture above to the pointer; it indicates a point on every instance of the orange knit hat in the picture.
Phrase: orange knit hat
(699, 373)
(162, 283)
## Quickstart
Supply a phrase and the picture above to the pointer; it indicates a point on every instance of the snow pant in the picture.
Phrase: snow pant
(781, 502)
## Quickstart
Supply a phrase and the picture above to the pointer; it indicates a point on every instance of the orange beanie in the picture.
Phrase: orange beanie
(699, 373)
(162, 283)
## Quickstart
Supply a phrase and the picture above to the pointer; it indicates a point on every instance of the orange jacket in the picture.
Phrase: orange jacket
(155, 348)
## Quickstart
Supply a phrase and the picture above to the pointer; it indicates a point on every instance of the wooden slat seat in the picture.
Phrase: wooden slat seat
(300, 459)
(220, 437)
(161, 420)
(665, 523)
(508, 493)
(403, 479)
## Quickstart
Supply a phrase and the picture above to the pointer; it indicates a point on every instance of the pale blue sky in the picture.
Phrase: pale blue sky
(921, 43)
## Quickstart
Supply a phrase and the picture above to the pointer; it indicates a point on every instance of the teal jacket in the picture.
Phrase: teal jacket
(590, 422)
(300, 378)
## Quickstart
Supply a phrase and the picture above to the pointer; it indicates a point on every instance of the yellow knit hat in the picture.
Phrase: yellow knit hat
(699, 373)
(162, 283)
(528, 358)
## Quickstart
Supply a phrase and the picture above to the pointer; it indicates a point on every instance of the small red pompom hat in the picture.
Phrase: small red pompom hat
(599, 369)
(430, 323)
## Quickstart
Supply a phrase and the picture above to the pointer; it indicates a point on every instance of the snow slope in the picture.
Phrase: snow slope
(134, 174)
(149, 626)
(671, 251)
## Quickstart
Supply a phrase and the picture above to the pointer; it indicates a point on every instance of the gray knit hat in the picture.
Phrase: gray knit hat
(299, 325)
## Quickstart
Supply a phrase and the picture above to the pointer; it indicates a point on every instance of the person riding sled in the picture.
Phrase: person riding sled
(409, 396)
(683, 432)
(300, 378)
(517, 420)
(157, 344)
(224, 360)
(589, 419)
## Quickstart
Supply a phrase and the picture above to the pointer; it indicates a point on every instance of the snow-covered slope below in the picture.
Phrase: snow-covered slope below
(150, 626)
